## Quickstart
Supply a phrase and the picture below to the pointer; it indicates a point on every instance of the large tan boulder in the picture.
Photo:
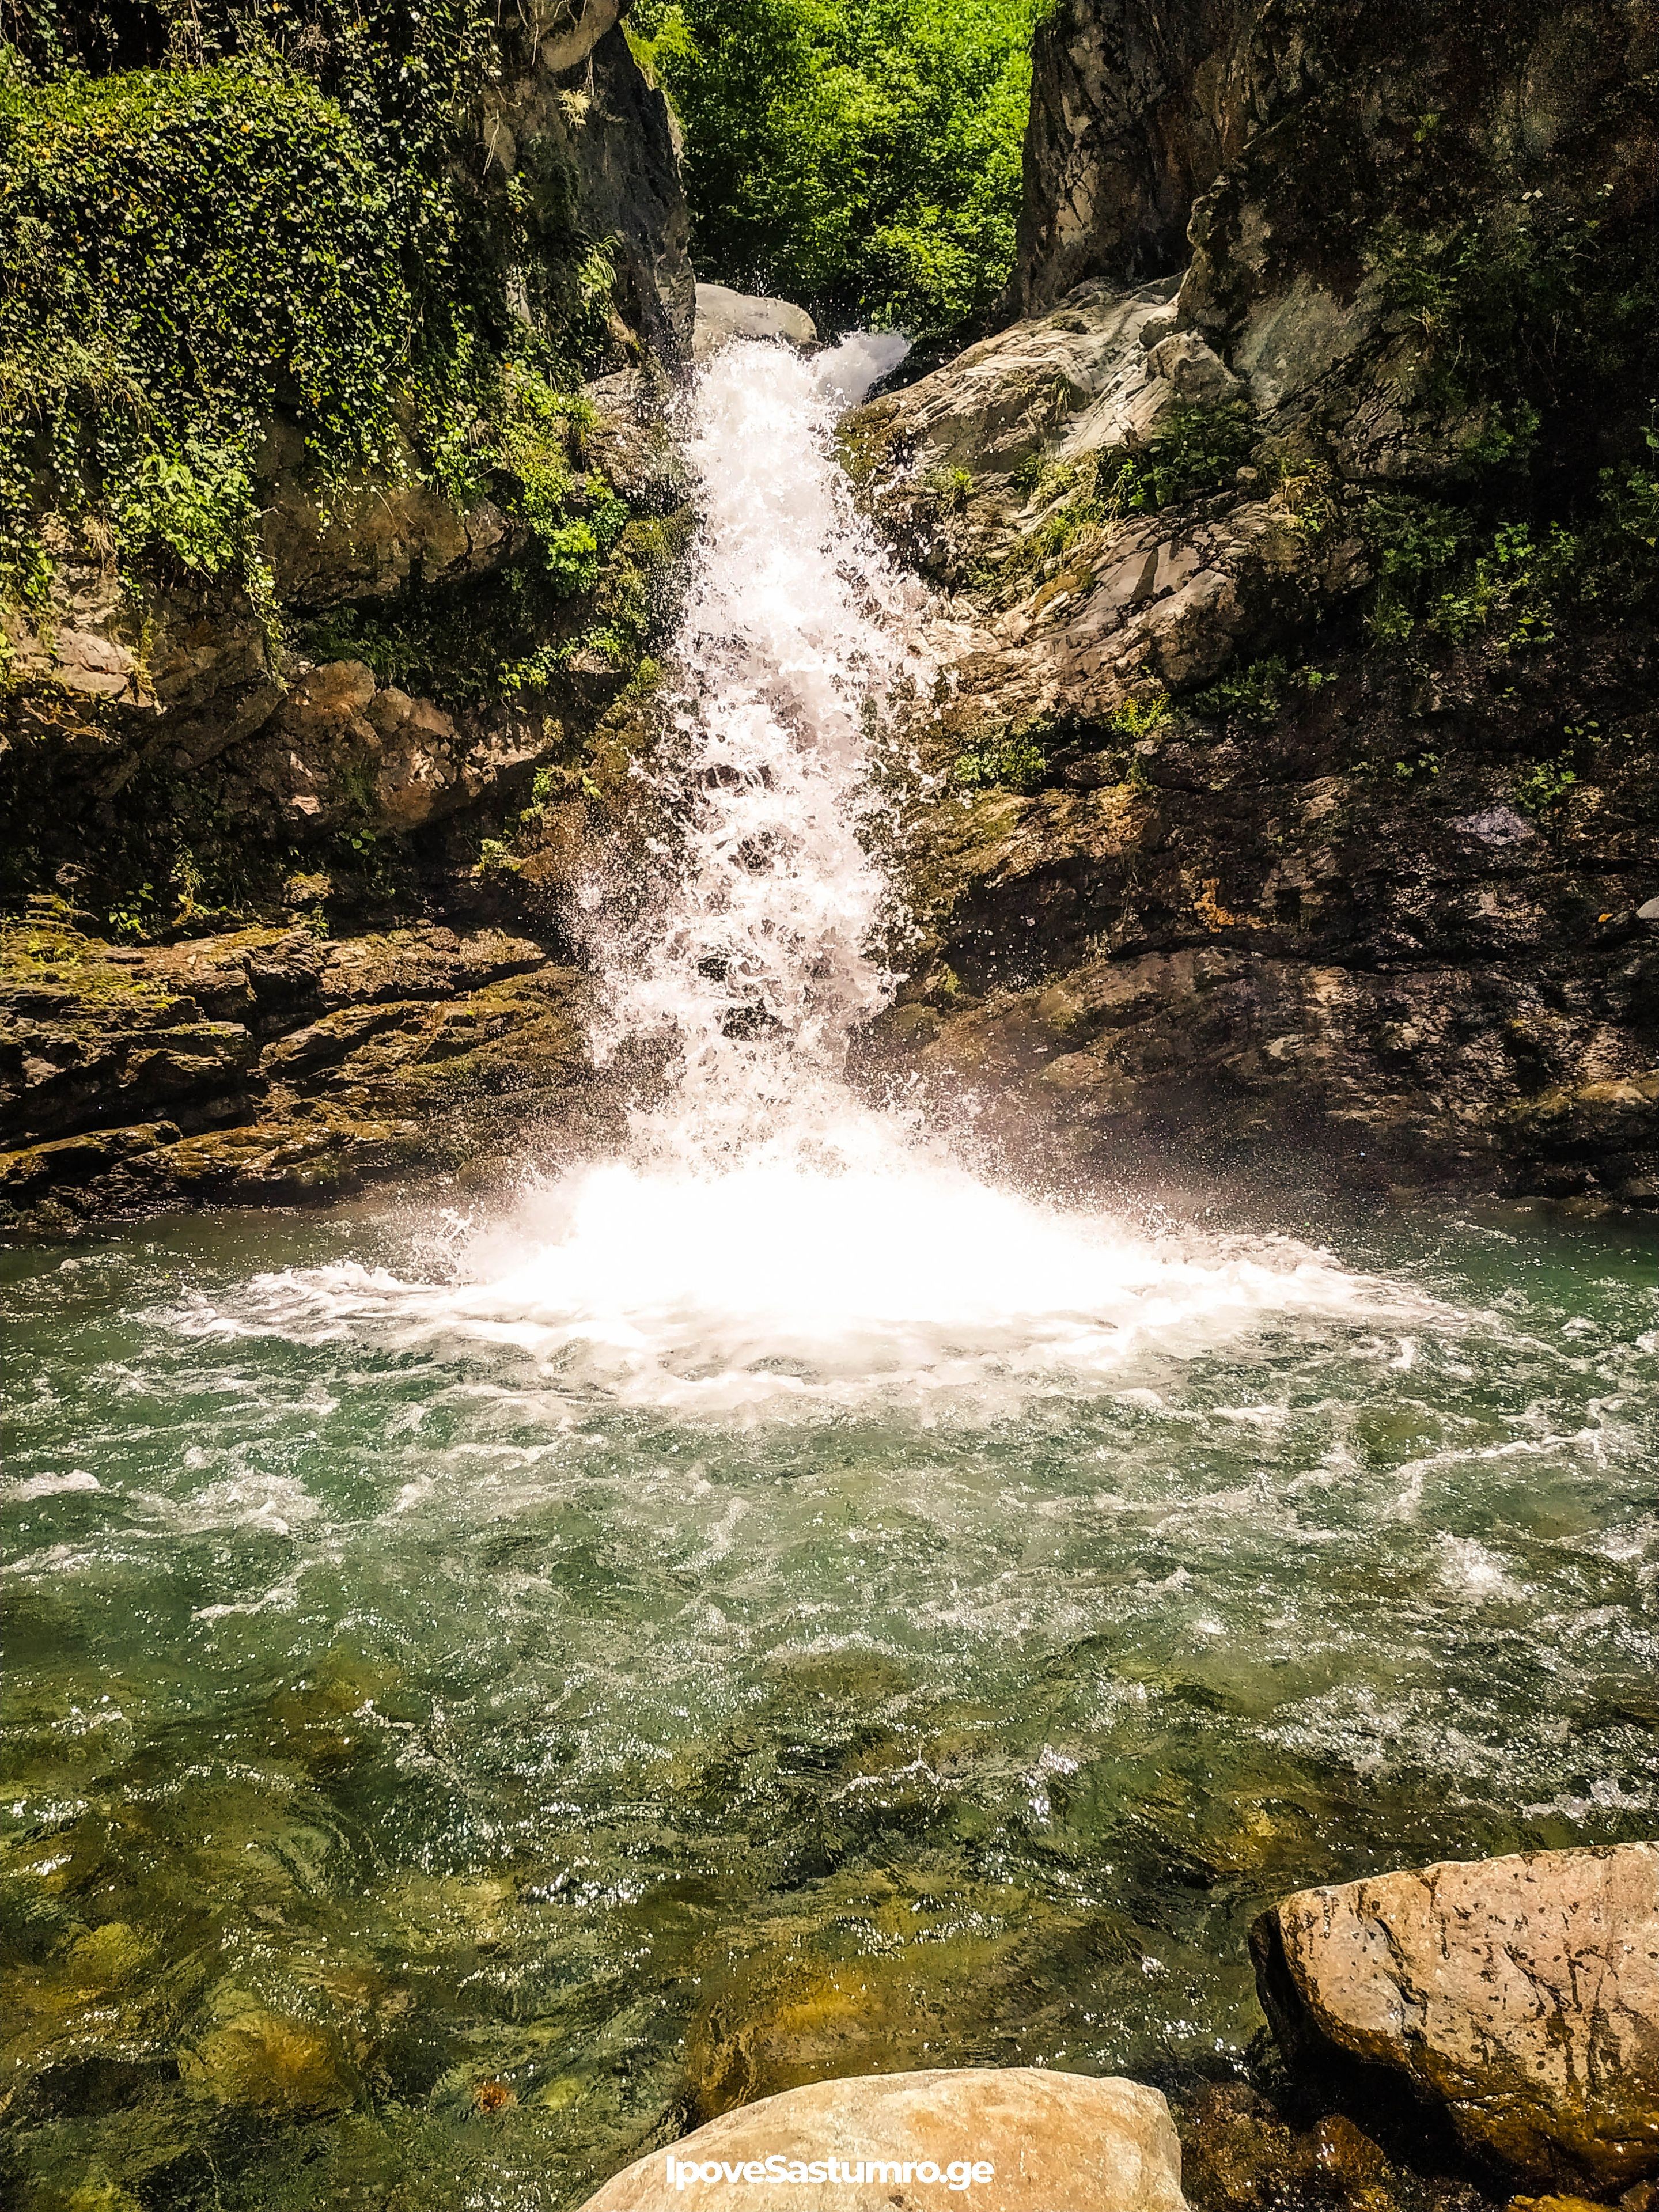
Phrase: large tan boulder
(1520, 1994)
(982, 2139)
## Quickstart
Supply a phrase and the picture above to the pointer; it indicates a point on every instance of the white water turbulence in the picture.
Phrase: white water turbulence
(752, 955)
(767, 1239)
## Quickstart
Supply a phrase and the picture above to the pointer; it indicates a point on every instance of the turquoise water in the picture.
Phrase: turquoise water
(438, 1770)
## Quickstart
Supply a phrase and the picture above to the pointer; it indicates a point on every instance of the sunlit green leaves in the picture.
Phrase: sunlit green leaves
(862, 155)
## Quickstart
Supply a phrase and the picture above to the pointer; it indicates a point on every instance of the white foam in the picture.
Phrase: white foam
(50, 1486)
(848, 371)
(775, 1284)
(766, 1240)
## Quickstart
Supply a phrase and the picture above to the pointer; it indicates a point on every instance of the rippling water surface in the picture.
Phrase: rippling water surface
(482, 1696)
(401, 1700)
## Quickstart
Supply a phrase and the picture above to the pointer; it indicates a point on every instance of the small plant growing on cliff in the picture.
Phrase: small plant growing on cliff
(1142, 718)
(1193, 450)
(496, 861)
(1253, 694)
(1517, 583)
(1547, 789)
(1014, 762)
(951, 488)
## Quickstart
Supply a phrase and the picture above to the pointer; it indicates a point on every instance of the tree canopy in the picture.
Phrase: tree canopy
(862, 156)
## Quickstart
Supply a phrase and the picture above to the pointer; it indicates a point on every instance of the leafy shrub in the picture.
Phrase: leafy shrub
(1194, 449)
(300, 219)
(1252, 694)
(1413, 538)
(862, 156)
(1517, 581)
(200, 505)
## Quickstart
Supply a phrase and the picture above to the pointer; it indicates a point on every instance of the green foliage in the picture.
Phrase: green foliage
(1013, 760)
(860, 155)
(1413, 538)
(1413, 542)
(953, 488)
(1252, 694)
(516, 629)
(300, 219)
(1547, 789)
(199, 507)
(1515, 303)
(1627, 536)
(496, 861)
(1194, 449)
(1439, 571)
(1142, 718)
(1516, 582)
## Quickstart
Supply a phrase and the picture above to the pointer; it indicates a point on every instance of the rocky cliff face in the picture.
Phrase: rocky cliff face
(247, 784)
(1295, 777)
(1126, 129)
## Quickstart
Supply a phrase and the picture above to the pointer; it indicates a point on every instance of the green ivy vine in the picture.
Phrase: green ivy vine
(278, 212)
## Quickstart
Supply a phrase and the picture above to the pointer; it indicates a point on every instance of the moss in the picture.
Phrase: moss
(48, 965)
(300, 219)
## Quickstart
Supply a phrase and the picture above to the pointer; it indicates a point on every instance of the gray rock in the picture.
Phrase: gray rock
(723, 315)
(1497, 825)
(1123, 139)
(1197, 373)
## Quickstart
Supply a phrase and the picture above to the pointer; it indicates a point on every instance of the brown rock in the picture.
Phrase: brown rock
(271, 2061)
(1554, 2204)
(1520, 1993)
(1053, 2143)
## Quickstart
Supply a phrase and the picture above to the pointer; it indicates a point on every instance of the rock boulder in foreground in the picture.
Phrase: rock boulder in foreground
(1054, 2142)
(1522, 1994)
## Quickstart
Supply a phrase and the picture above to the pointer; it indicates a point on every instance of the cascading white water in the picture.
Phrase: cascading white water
(767, 1238)
(754, 956)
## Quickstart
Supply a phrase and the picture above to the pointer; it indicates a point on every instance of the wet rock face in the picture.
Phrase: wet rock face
(1013, 2139)
(1520, 1995)
(268, 1063)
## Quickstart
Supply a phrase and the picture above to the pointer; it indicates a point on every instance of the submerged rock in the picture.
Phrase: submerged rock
(1014, 2139)
(269, 2061)
(1520, 1994)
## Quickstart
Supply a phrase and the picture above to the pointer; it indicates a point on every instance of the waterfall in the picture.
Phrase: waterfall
(766, 1240)
(753, 955)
